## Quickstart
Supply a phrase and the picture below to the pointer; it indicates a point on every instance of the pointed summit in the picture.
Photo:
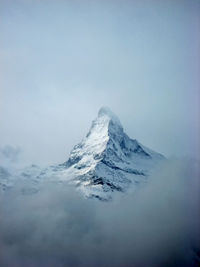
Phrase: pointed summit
(105, 125)
(106, 112)
(107, 159)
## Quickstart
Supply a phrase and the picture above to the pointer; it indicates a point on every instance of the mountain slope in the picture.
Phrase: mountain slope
(107, 159)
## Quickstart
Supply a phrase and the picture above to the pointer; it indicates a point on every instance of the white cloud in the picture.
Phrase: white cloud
(157, 226)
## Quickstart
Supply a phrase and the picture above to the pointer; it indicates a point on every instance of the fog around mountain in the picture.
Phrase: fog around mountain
(156, 226)
(60, 62)
(53, 224)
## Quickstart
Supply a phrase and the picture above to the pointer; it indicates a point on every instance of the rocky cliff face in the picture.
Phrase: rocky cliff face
(107, 159)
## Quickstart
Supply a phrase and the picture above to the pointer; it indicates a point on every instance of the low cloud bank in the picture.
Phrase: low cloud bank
(158, 225)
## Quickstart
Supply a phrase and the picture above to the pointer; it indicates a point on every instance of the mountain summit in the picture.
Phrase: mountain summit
(107, 159)
(106, 112)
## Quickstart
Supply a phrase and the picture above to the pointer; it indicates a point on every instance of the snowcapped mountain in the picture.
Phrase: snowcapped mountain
(106, 160)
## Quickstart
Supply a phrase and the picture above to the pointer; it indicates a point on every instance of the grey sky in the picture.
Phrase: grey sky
(62, 60)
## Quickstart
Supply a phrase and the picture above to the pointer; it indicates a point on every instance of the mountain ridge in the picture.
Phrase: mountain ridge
(105, 161)
(106, 158)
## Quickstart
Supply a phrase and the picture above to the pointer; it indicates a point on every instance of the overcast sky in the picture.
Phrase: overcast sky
(60, 61)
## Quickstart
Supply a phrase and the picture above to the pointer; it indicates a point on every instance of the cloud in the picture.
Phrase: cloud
(10, 153)
(155, 226)
(68, 58)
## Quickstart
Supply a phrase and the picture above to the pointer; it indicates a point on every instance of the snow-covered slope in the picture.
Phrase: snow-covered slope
(107, 159)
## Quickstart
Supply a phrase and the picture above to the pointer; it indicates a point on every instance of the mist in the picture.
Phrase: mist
(62, 60)
(158, 225)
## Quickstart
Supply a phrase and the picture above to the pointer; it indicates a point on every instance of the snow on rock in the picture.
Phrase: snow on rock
(105, 161)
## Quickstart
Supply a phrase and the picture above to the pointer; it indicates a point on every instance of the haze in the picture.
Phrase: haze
(62, 60)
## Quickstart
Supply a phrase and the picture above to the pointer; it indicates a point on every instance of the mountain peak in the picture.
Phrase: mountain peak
(107, 159)
(107, 112)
